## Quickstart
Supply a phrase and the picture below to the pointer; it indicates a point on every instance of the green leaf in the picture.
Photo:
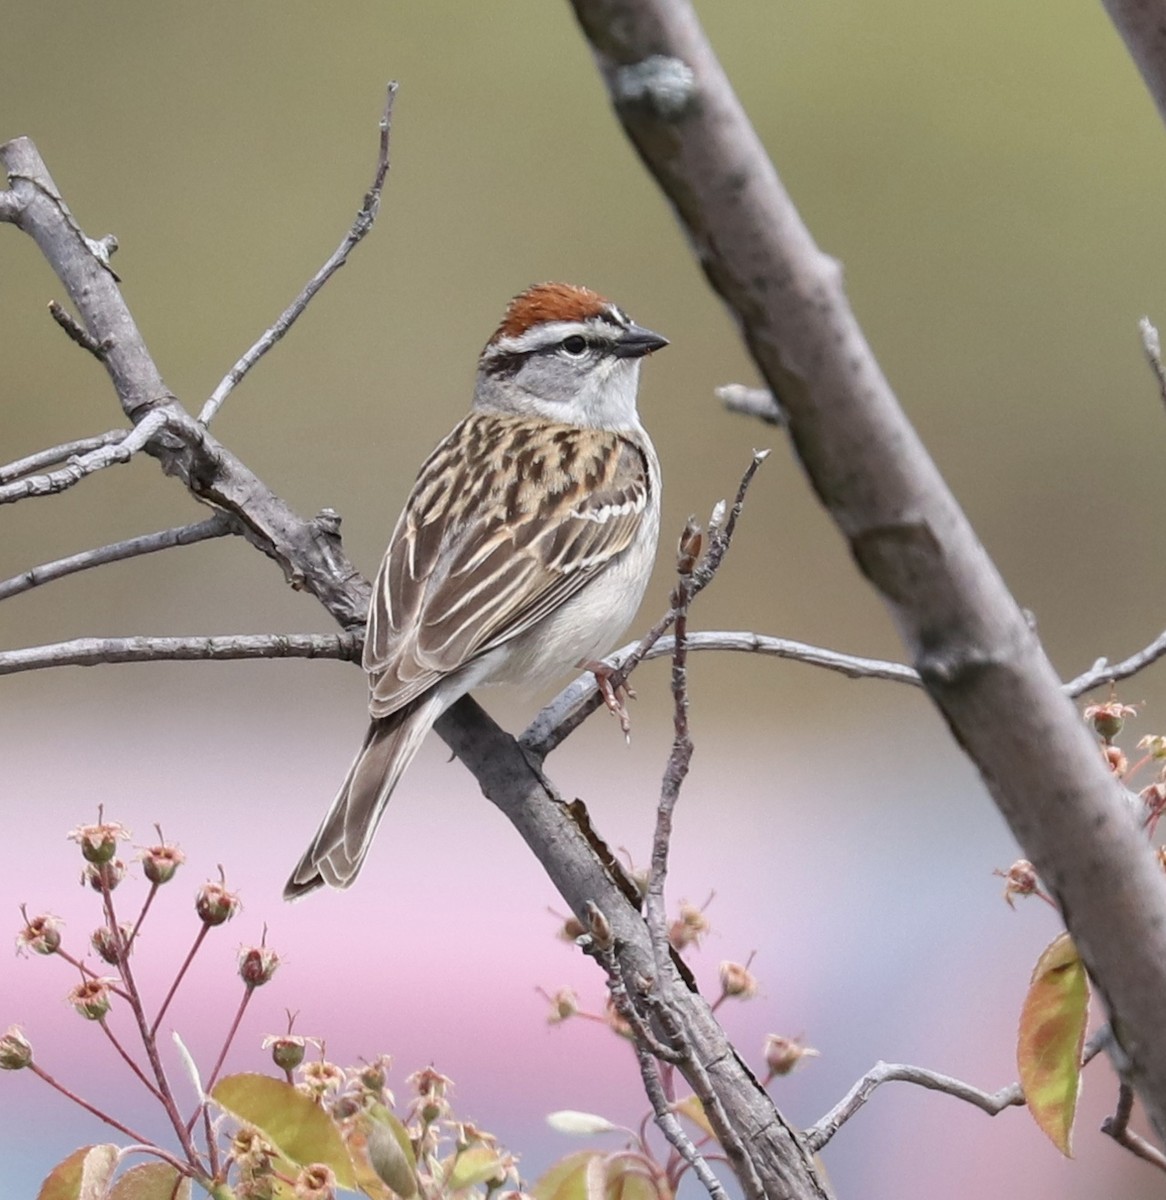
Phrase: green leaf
(1052, 1033)
(150, 1181)
(474, 1165)
(292, 1122)
(84, 1175)
(592, 1175)
(381, 1154)
(566, 1179)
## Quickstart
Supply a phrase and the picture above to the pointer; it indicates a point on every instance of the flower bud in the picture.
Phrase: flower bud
(257, 964)
(41, 934)
(15, 1050)
(374, 1075)
(318, 1079)
(160, 862)
(1108, 719)
(1118, 763)
(1019, 880)
(287, 1050)
(317, 1182)
(782, 1054)
(737, 980)
(1154, 744)
(688, 928)
(91, 998)
(564, 1005)
(105, 944)
(214, 904)
(98, 842)
(104, 877)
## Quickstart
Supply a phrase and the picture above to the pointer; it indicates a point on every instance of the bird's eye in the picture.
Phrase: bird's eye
(575, 345)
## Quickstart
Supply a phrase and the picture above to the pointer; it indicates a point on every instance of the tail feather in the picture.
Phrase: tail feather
(338, 850)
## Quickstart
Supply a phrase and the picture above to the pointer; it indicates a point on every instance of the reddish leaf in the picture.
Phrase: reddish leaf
(150, 1181)
(1052, 1033)
(84, 1175)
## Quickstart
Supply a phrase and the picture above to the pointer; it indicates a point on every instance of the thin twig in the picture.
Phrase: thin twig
(248, 992)
(543, 739)
(198, 941)
(1152, 345)
(681, 753)
(563, 715)
(818, 1134)
(1104, 672)
(669, 1124)
(56, 454)
(88, 652)
(360, 226)
(822, 1131)
(752, 402)
(86, 464)
(125, 1056)
(41, 1073)
(1118, 1128)
(181, 535)
(149, 1043)
(76, 332)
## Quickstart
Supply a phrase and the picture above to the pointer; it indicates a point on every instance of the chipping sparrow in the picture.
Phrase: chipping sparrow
(523, 550)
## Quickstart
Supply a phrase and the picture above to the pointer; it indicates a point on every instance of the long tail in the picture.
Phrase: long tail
(342, 841)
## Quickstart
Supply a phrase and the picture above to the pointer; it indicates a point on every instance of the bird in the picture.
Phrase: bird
(523, 550)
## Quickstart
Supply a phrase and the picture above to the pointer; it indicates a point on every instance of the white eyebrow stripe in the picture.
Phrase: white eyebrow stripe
(550, 333)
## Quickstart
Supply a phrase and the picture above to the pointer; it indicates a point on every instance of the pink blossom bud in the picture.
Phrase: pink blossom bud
(214, 904)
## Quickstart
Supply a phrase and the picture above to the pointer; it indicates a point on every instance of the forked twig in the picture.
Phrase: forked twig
(360, 226)
(541, 737)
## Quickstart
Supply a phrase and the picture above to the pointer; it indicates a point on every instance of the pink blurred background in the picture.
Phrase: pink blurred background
(994, 190)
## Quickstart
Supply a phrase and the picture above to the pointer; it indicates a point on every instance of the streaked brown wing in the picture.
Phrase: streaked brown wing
(480, 556)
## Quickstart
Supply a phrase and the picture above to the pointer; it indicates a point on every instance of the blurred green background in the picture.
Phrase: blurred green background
(993, 185)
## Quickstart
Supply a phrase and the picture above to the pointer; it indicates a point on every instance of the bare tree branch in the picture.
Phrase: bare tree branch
(75, 332)
(1152, 346)
(567, 711)
(992, 1103)
(1142, 25)
(360, 226)
(1103, 672)
(981, 663)
(85, 464)
(309, 552)
(546, 737)
(751, 402)
(56, 454)
(90, 652)
(182, 535)
(1118, 1128)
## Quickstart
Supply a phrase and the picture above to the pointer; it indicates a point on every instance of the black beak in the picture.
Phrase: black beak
(636, 341)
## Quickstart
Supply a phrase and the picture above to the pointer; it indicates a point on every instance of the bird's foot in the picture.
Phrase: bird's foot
(613, 695)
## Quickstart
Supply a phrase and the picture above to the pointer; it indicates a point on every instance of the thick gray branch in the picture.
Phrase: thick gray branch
(981, 663)
(513, 781)
(1142, 25)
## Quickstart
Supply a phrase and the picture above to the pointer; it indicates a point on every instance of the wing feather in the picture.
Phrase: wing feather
(480, 555)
